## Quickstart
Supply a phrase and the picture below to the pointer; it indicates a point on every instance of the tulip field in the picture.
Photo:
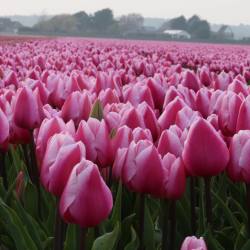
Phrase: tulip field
(124, 145)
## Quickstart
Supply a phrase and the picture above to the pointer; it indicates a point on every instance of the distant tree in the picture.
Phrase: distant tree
(103, 19)
(131, 23)
(202, 30)
(58, 24)
(198, 28)
(178, 23)
(83, 21)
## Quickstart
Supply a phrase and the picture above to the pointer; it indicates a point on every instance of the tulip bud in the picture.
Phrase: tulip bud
(85, 186)
(95, 136)
(238, 168)
(193, 243)
(141, 168)
(19, 184)
(61, 156)
(243, 120)
(205, 153)
(190, 81)
(77, 107)
(174, 173)
(48, 128)
(28, 112)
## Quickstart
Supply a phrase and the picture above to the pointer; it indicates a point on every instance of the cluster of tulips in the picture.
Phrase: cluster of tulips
(124, 145)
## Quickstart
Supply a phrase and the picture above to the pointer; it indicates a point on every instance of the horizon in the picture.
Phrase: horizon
(211, 11)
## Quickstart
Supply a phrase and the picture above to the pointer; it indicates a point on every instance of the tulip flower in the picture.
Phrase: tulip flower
(238, 168)
(85, 186)
(169, 142)
(193, 243)
(168, 117)
(211, 154)
(60, 157)
(190, 81)
(142, 170)
(19, 184)
(28, 112)
(48, 128)
(174, 173)
(227, 109)
(210, 158)
(4, 130)
(76, 107)
(243, 120)
(95, 136)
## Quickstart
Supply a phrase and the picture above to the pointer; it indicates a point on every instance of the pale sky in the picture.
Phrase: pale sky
(215, 11)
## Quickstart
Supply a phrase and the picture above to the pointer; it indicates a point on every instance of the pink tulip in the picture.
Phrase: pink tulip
(205, 76)
(211, 154)
(149, 119)
(186, 117)
(243, 120)
(132, 118)
(227, 109)
(4, 130)
(174, 173)
(48, 128)
(157, 92)
(238, 168)
(108, 96)
(169, 142)
(95, 136)
(202, 101)
(140, 168)
(61, 155)
(20, 184)
(168, 117)
(222, 81)
(85, 186)
(28, 112)
(193, 243)
(142, 134)
(138, 93)
(190, 81)
(238, 87)
(76, 107)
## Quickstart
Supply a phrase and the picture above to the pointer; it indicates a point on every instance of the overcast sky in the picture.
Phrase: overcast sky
(215, 11)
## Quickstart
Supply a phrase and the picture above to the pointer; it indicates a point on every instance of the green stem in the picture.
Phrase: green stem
(141, 220)
(35, 174)
(172, 218)
(165, 225)
(60, 230)
(192, 205)
(208, 200)
(248, 206)
(3, 173)
(82, 238)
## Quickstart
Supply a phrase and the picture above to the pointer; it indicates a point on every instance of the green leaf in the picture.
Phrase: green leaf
(125, 227)
(116, 214)
(48, 243)
(246, 246)
(30, 200)
(71, 238)
(97, 110)
(15, 228)
(134, 243)
(107, 241)
(148, 229)
(31, 225)
(227, 212)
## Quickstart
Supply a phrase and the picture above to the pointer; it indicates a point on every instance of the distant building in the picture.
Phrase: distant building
(8, 26)
(177, 34)
(225, 32)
